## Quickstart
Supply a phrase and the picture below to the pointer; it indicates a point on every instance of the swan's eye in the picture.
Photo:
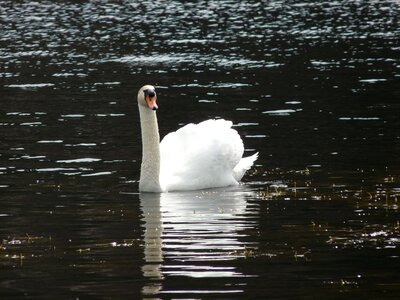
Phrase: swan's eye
(149, 93)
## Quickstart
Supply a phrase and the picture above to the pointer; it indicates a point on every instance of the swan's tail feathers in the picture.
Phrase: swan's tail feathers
(244, 164)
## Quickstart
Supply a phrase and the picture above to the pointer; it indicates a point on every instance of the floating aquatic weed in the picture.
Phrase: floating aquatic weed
(126, 243)
(383, 237)
(23, 247)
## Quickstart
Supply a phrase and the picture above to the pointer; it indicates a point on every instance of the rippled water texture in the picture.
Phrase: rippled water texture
(312, 85)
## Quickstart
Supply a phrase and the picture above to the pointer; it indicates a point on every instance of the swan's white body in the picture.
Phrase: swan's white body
(196, 156)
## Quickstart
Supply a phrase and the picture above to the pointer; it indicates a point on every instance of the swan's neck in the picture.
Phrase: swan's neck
(150, 169)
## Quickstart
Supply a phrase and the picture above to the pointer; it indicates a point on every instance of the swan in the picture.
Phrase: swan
(196, 156)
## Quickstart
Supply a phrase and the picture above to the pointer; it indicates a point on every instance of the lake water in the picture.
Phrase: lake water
(311, 85)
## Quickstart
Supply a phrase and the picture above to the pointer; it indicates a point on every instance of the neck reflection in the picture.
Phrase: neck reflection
(194, 235)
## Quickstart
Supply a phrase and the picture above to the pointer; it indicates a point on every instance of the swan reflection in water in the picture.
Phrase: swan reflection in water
(195, 235)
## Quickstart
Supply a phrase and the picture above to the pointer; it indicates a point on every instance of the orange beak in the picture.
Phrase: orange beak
(151, 102)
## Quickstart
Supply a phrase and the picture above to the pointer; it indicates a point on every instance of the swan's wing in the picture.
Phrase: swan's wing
(200, 156)
(244, 164)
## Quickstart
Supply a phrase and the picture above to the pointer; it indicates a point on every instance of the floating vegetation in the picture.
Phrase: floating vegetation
(16, 250)
(371, 236)
(271, 254)
(306, 184)
(360, 197)
(19, 250)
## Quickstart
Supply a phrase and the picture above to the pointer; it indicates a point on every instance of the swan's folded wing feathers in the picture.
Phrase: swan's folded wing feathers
(201, 154)
(244, 164)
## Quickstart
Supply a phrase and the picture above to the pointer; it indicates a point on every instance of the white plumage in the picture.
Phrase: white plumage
(196, 156)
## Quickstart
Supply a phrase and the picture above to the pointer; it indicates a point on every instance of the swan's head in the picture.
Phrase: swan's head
(147, 97)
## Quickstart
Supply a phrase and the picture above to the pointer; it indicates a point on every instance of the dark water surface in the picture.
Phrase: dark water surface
(312, 85)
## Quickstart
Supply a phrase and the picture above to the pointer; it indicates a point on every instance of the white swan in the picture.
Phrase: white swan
(196, 156)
